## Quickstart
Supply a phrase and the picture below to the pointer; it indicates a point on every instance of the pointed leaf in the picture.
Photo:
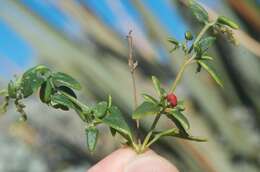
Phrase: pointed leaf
(180, 120)
(177, 133)
(149, 98)
(113, 131)
(173, 41)
(198, 11)
(33, 78)
(71, 93)
(227, 22)
(60, 78)
(206, 57)
(192, 138)
(211, 71)
(204, 44)
(92, 136)
(61, 99)
(46, 91)
(40, 70)
(80, 106)
(115, 120)
(157, 86)
(109, 102)
(146, 108)
(67, 90)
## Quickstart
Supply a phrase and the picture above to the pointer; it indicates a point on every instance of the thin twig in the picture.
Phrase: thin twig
(132, 66)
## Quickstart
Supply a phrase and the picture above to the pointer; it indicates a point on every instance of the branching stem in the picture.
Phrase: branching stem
(190, 60)
(147, 142)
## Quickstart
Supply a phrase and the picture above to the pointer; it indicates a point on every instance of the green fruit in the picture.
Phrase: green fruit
(188, 36)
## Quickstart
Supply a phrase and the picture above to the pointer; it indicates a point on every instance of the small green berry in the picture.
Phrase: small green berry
(188, 36)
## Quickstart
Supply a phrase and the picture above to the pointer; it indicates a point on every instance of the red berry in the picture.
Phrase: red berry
(172, 99)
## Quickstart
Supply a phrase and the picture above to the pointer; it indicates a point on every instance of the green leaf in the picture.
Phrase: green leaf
(100, 109)
(40, 70)
(198, 69)
(69, 95)
(46, 91)
(3, 92)
(211, 71)
(146, 108)
(199, 12)
(60, 79)
(192, 138)
(173, 41)
(115, 120)
(176, 133)
(67, 90)
(206, 57)
(227, 22)
(61, 99)
(32, 79)
(113, 131)
(109, 102)
(12, 89)
(203, 45)
(180, 106)
(81, 108)
(157, 86)
(149, 98)
(92, 136)
(180, 120)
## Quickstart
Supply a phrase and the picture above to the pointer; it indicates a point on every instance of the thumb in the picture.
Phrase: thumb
(126, 160)
(148, 162)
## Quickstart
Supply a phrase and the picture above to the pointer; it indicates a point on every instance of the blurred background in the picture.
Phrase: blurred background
(87, 39)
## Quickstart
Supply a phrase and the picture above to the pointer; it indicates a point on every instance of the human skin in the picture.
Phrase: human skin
(126, 160)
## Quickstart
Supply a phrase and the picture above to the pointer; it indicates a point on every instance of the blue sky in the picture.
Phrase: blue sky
(16, 54)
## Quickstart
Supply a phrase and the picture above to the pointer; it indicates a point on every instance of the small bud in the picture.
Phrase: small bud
(172, 99)
(188, 36)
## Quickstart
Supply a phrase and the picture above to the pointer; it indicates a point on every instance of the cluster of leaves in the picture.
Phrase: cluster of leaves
(57, 90)
(200, 45)
(160, 106)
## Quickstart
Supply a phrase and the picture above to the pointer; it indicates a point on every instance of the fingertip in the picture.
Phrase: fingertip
(126, 160)
(148, 163)
(115, 161)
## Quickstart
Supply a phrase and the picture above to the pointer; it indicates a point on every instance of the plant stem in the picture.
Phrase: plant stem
(166, 132)
(181, 71)
(202, 32)
(132, 66)
(188, 61)
(148, 136)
